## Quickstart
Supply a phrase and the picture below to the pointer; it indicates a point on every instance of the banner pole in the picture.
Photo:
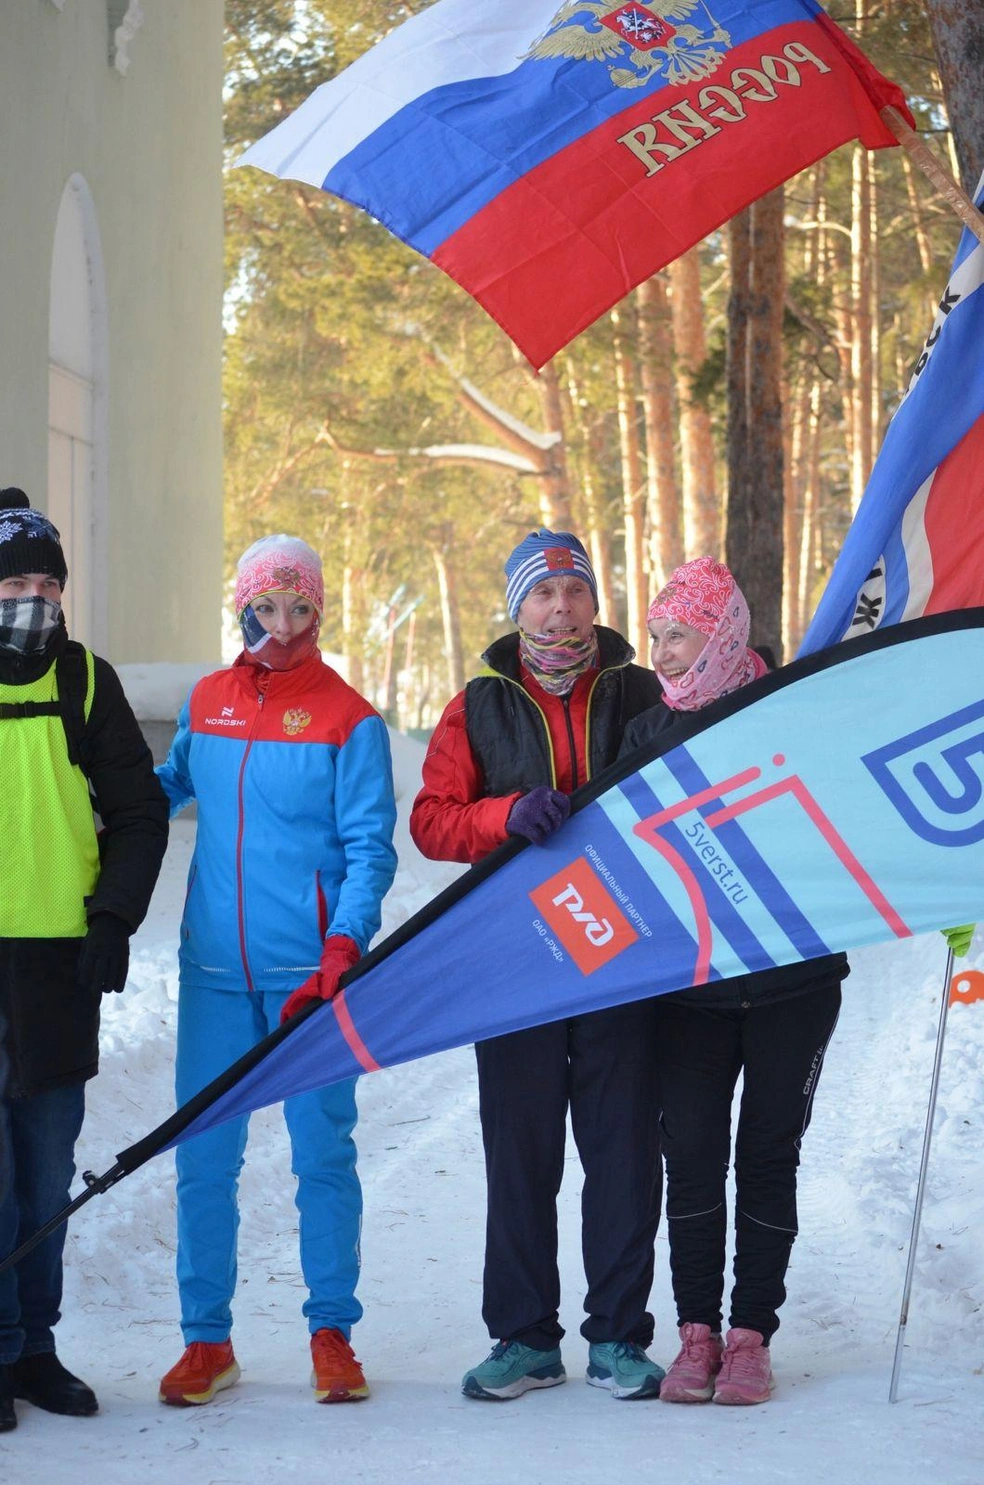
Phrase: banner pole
(921, 1184)
(95, 1186)
(921, 154)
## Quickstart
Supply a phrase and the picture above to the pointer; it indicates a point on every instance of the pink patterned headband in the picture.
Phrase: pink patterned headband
(279, 564)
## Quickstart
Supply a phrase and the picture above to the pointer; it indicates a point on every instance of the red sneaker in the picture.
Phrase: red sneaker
(691, 1377)
(336, 1375)
(746, 1370)
(207, 1367)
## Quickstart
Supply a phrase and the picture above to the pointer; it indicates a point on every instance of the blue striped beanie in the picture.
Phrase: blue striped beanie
(545, 554)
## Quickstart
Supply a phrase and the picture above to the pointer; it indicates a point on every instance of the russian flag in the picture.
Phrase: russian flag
(551, 156)
(916, 545)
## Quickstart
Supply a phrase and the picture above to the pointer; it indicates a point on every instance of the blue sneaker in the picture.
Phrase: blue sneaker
(510, 1369)
(624, 1368)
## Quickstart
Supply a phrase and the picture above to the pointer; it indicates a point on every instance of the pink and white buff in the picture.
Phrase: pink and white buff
(704, 595)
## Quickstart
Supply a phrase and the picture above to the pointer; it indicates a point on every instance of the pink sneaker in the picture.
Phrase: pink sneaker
(691, 1377)
(746, 1370)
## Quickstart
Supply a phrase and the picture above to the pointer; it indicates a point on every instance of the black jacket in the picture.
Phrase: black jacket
(50, 1024)
(506, 730)
(741, 991)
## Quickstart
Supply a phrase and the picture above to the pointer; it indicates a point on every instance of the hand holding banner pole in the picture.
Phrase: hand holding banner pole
(921, 1186)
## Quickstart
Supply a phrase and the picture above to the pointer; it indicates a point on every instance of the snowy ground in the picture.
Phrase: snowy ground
(420, 1158)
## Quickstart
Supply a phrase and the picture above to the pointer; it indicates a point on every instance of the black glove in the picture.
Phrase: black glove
(538, 814)
(105, 956)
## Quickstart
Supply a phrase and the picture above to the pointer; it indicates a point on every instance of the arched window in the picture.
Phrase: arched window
(77, 410)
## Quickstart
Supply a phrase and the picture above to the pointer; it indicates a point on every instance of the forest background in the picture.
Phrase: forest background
(733, 404)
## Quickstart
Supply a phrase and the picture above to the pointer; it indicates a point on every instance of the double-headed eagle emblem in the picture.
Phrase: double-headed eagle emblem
(659, 37)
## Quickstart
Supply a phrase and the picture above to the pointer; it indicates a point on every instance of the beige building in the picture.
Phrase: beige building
(110, 308)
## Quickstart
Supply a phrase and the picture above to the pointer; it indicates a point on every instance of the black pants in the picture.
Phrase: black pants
(602, 1066)
(700, 1052)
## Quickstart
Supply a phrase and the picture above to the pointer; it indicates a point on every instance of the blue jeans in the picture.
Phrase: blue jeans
(215, 1028)
(37, 1149)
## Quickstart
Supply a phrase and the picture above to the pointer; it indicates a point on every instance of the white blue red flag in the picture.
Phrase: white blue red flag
(916, 545)
(551, 156)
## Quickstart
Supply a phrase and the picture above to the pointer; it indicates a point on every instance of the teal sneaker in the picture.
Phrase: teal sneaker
(624, 1368)
(510, 1369)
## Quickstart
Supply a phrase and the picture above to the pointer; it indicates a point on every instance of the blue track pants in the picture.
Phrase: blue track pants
(215, 1028)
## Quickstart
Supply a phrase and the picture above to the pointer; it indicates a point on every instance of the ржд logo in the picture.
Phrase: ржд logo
(584, 915)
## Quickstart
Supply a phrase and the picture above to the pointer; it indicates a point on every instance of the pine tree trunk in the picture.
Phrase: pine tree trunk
(811, 501)
(797, 441)
(663, 489)
(555, 485)
(390, 677)
(407, 672)
(596, 537)
(861, 410)
(958, 35)
(874, 238)
(701, 513)
(354, 611)
(797, 400)
(633, 485)
(353, 629)
(918, 218)
(809, 473)
(737, 517)
(451, 619)
(755, 462)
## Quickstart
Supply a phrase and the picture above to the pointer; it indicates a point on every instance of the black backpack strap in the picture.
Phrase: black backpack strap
(11, 709)
(72, 676)
(72, 679)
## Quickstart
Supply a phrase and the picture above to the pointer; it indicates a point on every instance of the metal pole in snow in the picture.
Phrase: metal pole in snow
(921, 1185)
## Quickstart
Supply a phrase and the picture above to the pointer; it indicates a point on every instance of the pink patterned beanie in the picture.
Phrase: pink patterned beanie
(279, 564)
(696, 594)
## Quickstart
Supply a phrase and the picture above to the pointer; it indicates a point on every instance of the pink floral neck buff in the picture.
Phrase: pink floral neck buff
(556, 661)
(704, 595)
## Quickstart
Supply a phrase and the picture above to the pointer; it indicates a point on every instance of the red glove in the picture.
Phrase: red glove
(338, 955)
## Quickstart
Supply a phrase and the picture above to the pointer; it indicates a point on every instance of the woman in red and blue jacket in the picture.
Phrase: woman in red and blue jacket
(290, 769)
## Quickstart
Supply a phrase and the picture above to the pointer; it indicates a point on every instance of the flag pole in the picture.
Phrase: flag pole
(921, 1184)
(921, 154)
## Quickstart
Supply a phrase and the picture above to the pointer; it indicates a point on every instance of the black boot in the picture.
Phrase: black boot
(8, 1418)
(42, 1380)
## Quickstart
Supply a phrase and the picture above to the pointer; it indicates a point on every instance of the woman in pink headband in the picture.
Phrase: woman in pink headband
(772, 1026)
(290, 769)
(280, 597)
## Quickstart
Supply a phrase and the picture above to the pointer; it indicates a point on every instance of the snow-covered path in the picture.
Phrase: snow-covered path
(420, 1158)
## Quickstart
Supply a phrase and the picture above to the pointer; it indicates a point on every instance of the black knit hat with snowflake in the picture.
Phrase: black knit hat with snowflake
(28, 540)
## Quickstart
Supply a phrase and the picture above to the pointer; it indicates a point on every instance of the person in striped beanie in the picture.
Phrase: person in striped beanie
(545, 714)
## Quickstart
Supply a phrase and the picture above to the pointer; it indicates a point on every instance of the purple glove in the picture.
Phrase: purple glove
(538, 814)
